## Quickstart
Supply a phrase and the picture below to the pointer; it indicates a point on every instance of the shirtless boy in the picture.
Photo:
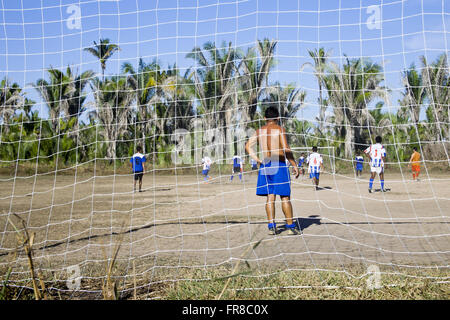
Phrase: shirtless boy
(274, 176)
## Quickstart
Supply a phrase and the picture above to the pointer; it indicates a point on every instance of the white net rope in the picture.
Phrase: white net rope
(85, 83)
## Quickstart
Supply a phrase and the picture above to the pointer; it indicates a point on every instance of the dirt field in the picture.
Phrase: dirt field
(180, 221)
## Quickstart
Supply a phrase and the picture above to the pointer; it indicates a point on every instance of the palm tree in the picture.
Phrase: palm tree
(256, 66)
(103, 51)
(172, 102)
(113, 100)
(288, 100)
(75, 102)
(144, 81)
(55, 94)
(64, 94)
(436, 81)
(380, 124)
(215, 87)
(11, 100)
(414, 93)
(320, 58)
(350, 89)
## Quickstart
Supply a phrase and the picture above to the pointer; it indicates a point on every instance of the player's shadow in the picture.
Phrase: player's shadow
(379, 190)
(323, 188)
(304, 223)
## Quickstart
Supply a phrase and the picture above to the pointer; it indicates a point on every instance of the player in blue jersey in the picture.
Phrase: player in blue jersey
(254, 164)
(359, 159)
(237, 167)
(301, 161)
(137, 165)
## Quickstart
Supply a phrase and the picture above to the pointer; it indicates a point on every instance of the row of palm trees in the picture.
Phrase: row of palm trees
(226, 89)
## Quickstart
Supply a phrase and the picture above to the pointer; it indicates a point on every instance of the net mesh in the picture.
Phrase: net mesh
(84, 83)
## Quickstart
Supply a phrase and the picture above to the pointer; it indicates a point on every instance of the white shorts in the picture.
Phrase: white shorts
(378, 170)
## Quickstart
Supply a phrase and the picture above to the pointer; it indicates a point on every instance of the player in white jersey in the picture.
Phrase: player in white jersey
(237, 167)
(359, 159)
(315, 164)
(376, 154)
(254, 164)
(206, 161)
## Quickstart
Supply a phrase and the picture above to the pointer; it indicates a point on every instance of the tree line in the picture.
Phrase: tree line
(226, 88)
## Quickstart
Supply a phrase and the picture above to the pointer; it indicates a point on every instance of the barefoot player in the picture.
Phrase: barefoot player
(273, 175)
(414, 162)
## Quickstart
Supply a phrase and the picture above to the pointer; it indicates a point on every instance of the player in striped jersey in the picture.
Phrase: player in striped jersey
(376, 154)
(315, 164)
(206, 161)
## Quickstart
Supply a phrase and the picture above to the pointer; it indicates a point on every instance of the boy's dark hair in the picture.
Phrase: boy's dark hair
(314, 149)
(414, 148)
(271, 113)
(139, 149)
(378, 139)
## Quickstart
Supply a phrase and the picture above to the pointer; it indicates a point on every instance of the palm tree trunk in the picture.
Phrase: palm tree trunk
(349, 141)
(229, 137)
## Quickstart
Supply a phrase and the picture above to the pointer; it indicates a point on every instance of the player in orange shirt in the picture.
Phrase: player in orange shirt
(414, 161)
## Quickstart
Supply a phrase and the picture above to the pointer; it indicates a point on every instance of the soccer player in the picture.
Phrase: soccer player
(301, 160)
(273, 174)
(206, 162)
(414, 162)
(315, 164)
(137, 165)
(237, 167)
(376, 154)
(254, 164)
(359, 163)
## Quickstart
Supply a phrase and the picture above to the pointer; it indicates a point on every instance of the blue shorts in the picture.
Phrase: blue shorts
(205, 172)
(314, 175)
(273, 178)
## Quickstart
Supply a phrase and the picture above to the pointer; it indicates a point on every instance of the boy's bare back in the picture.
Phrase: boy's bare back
(272, 141)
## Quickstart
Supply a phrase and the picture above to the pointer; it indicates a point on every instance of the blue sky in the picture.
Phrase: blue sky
(35, 35)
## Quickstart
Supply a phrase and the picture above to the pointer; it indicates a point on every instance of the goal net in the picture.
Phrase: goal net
(126, 130)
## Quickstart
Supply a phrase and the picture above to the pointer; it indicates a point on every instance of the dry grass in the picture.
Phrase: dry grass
(242, 282)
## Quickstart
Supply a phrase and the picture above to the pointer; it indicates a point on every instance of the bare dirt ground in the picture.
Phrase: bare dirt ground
(181, 221)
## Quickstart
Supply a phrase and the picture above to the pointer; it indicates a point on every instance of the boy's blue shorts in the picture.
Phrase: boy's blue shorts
(314, 175)
(205, 172)
(273, 178)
